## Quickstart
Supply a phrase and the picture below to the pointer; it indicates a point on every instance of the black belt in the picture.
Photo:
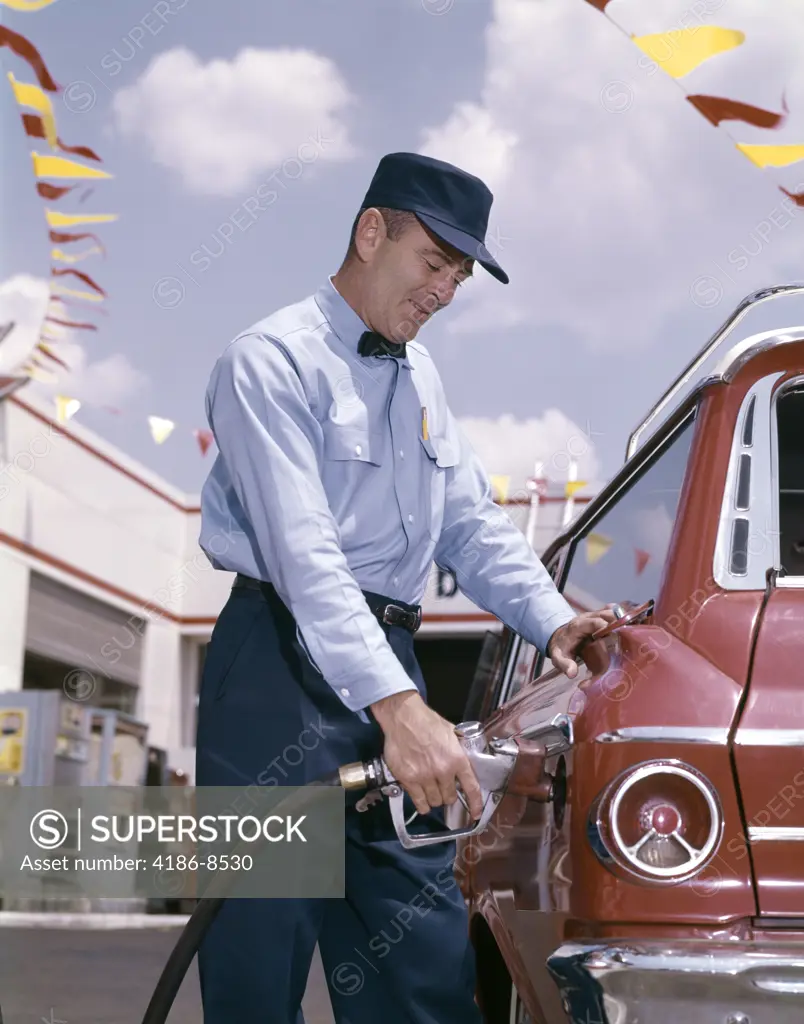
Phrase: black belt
(387, 611)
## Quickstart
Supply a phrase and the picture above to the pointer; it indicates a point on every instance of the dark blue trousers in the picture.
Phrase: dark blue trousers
(396, 950)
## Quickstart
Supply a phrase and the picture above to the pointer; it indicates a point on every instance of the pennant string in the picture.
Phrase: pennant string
(692, 47)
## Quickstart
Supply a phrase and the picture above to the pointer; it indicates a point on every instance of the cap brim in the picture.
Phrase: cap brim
(464, 243)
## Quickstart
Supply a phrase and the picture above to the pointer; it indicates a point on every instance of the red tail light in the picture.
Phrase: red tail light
(660, 821)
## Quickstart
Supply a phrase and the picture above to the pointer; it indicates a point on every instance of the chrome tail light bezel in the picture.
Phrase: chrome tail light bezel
(605, 832)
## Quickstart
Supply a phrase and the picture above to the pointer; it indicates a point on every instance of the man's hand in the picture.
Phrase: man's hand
(424, 754)
(565, 644)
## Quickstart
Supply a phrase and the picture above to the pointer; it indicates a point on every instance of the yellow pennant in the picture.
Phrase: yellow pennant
(682, 50)
(573, 486)
(37, 373)
(499, 486)
(160, 429)
(32, 96)
(61, 167)
(59, 289)
(68, 220)
(64, 257)
(596, 547)
(66, 408)
(773, 156)
(27, 5)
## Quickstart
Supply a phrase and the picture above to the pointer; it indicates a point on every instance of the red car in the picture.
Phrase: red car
(651, 868)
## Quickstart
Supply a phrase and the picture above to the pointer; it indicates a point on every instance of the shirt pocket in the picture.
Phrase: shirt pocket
(352, 444)
(442, 454)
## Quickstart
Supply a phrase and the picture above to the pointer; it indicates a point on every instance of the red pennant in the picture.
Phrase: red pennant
(797, 197)
(19, 44)
(49, 355)
(715, 109)
(599, 4)
(72, 323)
(36, 129)
(642, 559)
(63, 237)
(204, 438)
(60, 272)
(47, 191)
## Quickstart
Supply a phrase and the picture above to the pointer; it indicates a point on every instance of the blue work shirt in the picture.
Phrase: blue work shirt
(338, 473)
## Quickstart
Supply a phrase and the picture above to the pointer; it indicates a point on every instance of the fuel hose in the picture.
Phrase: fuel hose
(189, 942)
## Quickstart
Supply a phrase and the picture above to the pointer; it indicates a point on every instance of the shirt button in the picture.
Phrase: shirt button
(345, 692)
(410, 518)
(401, 454)
(395, 580)
(358, 449)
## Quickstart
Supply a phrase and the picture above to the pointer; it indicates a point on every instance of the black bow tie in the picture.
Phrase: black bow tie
(373, 344)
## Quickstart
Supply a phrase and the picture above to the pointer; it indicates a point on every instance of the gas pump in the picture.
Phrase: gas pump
(44, 739)
(118, 750)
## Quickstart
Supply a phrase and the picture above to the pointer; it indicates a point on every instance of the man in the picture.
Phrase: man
(342, 476)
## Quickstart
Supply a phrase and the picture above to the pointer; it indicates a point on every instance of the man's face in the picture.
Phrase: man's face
(411, 279)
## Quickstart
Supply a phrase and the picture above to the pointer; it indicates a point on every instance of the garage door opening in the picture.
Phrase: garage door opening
(448, 665)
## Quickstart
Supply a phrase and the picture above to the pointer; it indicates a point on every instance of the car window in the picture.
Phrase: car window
(621, 555)
(790, 426)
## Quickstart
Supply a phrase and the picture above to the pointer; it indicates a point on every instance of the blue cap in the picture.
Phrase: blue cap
(453, 204)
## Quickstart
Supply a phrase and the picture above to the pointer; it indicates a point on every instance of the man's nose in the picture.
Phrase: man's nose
(445, 290)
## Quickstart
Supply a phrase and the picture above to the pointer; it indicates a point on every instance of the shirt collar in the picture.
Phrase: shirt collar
(345, 322)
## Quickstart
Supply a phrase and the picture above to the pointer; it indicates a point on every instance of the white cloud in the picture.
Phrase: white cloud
(108, 381)
(23, 302)
(470, 136)
(222, 124)
(511, 447)
(612, 194)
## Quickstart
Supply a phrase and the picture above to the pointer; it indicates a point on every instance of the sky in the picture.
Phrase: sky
(242, 137)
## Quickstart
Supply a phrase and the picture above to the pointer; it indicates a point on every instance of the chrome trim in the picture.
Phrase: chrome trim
(661, 982)
(770, 738)
(556, 735)
(761, 514)
(775, 834)
(789, 581)
(508, 669)
(754, 299)
(790, 385)
(607, 844)
(665, 734)
(698, 858)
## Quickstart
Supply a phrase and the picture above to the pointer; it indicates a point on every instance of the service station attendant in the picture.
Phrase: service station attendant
(342, 476)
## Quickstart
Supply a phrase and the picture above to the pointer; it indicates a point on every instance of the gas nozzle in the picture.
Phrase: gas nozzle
(364, 774)
(492, 762)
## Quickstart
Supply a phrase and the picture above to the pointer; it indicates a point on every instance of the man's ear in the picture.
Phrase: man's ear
(370, 233)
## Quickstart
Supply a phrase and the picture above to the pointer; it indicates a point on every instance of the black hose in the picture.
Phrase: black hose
(193, 933)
